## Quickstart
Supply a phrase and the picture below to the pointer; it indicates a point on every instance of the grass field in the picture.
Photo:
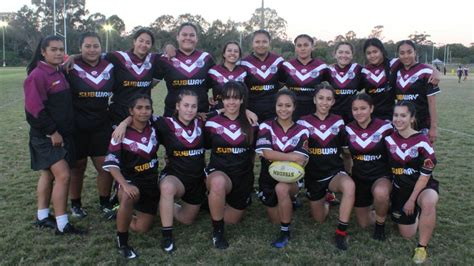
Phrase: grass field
(452, 242)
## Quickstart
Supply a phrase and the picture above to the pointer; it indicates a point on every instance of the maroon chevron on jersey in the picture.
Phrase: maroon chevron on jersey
(221, 75)
(365, 139)
(227, 129)
(262, 70)
(299, 75)
(342, 77)
(324, 131)
(137, 68)
(273, 137)
(95, 77)
(405, 78)
(189, 136)
(190, 65)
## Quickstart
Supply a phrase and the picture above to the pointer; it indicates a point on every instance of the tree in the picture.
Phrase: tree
(350, 35)
(420, 38)
(164, 23)
(376, 32)
(274, 24)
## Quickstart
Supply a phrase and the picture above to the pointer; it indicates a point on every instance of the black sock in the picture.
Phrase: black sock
(342, 226)
(285, 228)
(379, 225)
(420, 246)
(76, 202)
(167, 232)
(104, 200)
(122, 238)
(218, 226)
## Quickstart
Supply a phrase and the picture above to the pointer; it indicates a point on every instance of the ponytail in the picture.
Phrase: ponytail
(38, 56)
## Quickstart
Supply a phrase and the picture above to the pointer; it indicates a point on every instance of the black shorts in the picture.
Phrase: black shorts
(363, 192)
(194, 190)
(266, 191)
(400, 196)
(92, 143)
(43, 154)
(316, 189)
(149, 196)
(242, 186)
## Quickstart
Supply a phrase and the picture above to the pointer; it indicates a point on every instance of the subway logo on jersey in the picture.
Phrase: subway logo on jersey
(145, 166)
(94, 94)
(227, 150)
(188, 153)
(138, 84)
(322, 151)
(403, 171)
(187, 82)
(407, 97)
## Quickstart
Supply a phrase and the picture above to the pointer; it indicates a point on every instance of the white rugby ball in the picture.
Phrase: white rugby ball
(286, 172)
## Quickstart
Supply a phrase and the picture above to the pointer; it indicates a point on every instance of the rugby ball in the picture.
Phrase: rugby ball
(286, 172)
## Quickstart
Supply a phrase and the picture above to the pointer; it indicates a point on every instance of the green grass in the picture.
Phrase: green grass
(452, 241)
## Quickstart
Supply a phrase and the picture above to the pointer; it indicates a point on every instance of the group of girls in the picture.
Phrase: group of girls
(295, 125)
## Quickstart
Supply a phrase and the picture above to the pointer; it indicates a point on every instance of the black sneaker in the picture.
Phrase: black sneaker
(167, 244)
(48, 222)
(127, 252)
(379, 233)
(78, 212)
(341, 242)
(219, 241)
(69, 229)
(282, 241)
(108, 211)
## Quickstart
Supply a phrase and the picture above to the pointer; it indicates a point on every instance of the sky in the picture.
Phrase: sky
(445, 21)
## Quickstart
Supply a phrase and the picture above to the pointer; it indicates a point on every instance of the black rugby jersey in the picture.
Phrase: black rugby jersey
(271, 136)
(219, 75)
(412, 85)
(186, 72)
(346, 82)
(302, 80)
(135, 155)
(91, 87)
(230, 150)
(263, 82)
(367, 148)
(380, 87)
(326, 138)
(132, 76)
(410, 157)
(48, 101)
(184, 146)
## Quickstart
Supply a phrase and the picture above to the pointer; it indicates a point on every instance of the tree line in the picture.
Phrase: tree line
(30, 23)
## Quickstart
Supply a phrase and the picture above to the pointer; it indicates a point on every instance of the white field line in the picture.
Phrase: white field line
(456, 132)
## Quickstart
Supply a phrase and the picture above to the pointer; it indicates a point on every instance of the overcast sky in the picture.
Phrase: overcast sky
(445, 21)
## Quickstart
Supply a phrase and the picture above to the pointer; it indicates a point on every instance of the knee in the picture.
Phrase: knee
(348, 188)
(141, 228)
(428, 207)
(381, 193)
(217, 185)
(282, 190)
(167, 189)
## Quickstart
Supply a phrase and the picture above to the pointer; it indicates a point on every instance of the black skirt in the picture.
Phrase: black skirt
(43, 154)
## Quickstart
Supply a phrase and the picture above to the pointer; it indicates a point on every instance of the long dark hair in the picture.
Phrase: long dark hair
(290, 94)
(146, 31)
(234, 89)
(411, 109)
(38, 56)
(386, 62)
